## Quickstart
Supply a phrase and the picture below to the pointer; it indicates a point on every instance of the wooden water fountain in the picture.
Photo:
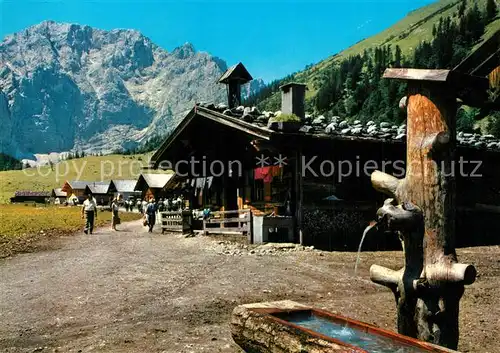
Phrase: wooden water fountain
(422, 207)
(421, 210)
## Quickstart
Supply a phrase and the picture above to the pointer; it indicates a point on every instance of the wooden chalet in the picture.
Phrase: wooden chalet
(30, 196)
(281, 169)
(126, 188)
(153, 185)
(102, 191)
(58, 194)
(75, 189)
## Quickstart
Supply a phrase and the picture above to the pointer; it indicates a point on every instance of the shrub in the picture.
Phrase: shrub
(287, 118)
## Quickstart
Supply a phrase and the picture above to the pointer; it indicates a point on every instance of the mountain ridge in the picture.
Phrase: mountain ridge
(412, 30)
(65, 86)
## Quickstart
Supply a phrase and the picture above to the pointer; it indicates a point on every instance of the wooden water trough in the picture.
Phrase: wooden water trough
(271, 328)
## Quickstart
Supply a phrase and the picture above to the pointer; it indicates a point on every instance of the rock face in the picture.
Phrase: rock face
(66, 86)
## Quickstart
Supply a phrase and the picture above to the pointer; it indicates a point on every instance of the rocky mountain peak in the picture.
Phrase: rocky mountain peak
(184, 51)
(67, 86)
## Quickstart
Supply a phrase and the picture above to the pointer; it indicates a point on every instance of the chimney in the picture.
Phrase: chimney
(293, 99)
(233, 78)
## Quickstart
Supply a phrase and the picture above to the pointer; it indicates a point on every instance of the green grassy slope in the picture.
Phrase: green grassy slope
(407, 33)
(90, 168)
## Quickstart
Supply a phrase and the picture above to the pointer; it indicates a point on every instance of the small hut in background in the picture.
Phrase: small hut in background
(102, 191)
(126, 188)
(152, 185)
(59, 195)
(75, 190)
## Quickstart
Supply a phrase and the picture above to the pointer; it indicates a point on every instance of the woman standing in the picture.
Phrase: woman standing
(115, 206)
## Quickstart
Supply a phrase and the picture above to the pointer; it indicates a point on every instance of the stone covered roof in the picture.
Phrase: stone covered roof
(337, 127)
(21, 193)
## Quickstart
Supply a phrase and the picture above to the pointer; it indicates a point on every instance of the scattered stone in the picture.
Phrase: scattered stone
(221, 106)
(306, 129)
(356, 131)
(343, 124)
(240, 108)
(255, 111)
(345, 131)
(384, 125)
(330, 128)
(370, 123)
(320, 120)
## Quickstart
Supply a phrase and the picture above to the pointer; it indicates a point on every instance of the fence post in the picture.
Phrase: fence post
(250, 227)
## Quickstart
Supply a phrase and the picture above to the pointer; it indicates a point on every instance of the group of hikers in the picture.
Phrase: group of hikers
(147, 208)
(167, 204)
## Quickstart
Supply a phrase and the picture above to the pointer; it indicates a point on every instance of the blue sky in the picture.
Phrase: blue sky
(272, 38)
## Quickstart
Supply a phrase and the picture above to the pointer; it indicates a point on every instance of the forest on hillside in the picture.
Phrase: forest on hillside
(354, 88)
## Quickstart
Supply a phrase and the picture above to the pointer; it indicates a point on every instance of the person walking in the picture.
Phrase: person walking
(89, 211)
(115, 207)
(150, 212)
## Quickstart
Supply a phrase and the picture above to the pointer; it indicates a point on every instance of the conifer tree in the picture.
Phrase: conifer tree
(491, 10)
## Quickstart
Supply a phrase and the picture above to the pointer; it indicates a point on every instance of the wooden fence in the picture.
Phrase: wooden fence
(172, 222)
(229, 222)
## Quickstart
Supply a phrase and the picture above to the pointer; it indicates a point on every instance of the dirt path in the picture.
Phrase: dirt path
(131, 291)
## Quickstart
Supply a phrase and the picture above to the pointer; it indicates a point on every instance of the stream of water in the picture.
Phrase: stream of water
(372, 343)
(367, 229)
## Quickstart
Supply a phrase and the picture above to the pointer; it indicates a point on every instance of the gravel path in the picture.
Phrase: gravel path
(130, 291)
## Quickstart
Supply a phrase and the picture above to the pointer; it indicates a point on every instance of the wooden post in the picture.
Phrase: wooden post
(422, 209)
(298, 185)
